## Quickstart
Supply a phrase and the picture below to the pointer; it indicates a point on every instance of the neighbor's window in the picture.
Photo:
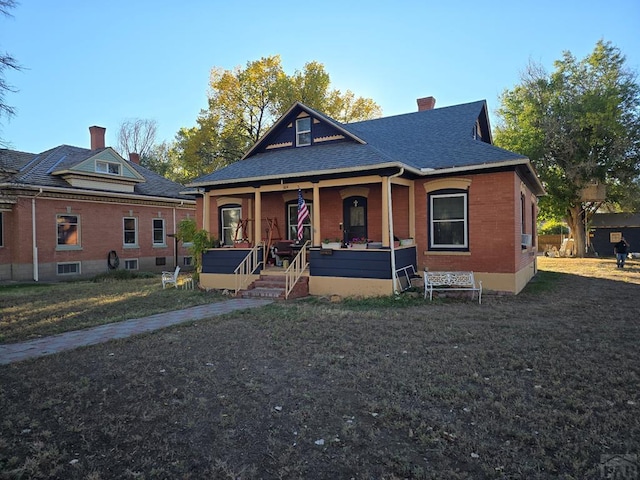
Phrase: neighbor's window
(187, 261)
(131, 264)
(68, 230)
(158, 232)
(303, 131)
(292, 220)
(130, 231)
(71, 268)
(230, 220)
(107, 167)
(448, 226)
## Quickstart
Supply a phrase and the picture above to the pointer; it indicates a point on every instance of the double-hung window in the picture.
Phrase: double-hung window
(448, 220)
(68, 231)
(303, 131)
(130, 231)
(158, 232)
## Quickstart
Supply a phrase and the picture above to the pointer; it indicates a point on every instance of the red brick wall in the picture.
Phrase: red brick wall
(494, 227)
(101, 230)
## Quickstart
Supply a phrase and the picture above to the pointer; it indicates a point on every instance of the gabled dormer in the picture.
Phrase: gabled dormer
(102, 170)
(302, 127)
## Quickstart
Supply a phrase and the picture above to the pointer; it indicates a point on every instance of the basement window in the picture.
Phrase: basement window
(131, 264)
(70, 268)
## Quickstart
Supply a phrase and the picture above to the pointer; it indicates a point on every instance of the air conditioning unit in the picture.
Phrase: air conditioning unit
(526, 240)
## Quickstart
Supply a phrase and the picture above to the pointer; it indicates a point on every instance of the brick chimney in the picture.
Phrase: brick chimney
(134, 157)
(427, 103)
(97, 137)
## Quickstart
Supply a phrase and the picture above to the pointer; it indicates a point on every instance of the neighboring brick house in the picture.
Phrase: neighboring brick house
(74, 212)
(431, 178)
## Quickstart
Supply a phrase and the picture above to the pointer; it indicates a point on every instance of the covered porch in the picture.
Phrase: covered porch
(365, 218)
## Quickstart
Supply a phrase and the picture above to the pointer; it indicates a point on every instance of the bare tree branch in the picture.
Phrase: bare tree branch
(137, 136)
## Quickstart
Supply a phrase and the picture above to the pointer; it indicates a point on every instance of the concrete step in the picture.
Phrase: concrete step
(273, 286)
(268, 282)
(263, 292)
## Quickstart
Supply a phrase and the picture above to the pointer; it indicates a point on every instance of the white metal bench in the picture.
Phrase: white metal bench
(451, 281)
(170, 278)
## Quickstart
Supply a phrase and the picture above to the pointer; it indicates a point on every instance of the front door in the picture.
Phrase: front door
(354, 218)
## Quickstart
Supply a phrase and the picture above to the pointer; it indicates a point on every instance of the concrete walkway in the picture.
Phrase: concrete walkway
(15, 352)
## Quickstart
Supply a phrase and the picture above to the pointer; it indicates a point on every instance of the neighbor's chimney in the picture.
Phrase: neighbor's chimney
(97, 137)
(134, 157)
(426, 103)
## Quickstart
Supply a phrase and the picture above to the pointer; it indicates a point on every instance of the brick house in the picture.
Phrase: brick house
(73, 212)
(427, 190)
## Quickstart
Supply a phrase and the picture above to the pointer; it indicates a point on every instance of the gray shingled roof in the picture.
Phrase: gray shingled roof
(36, 170)
(432, 139)
(615, 220)
(13, 159)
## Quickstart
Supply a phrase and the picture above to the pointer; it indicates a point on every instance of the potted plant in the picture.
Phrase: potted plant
(242, 243)
(334, 243)
(359, 243)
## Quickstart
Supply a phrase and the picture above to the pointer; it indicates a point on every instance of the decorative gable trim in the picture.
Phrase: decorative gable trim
(328, 138)
(285, 122)
(279, 145)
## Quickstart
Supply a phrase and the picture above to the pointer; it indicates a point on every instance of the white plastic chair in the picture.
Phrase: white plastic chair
(170, 277)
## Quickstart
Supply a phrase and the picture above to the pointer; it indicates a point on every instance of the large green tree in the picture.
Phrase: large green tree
(245, 102)
(580, 126)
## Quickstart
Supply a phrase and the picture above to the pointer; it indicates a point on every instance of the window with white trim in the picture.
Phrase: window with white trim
(131, 264)
(68, 268)
(158, 232)
(187, 261)
(303, 131)
(448, 221)
(110, 168)
(68, 230)
(229, 221)
(130, 231)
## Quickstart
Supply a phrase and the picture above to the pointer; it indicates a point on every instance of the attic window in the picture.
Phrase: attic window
(108, 168)
(303, 131)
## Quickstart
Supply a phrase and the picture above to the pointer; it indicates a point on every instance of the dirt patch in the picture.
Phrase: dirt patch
(534, 386)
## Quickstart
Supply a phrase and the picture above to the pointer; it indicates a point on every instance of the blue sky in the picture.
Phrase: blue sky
(101, 63)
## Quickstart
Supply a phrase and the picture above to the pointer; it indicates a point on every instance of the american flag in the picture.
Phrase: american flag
(303, 213)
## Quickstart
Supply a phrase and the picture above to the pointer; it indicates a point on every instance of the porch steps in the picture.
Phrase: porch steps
(273, 286)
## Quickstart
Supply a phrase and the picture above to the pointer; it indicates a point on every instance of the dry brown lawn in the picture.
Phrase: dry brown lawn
(536, 386)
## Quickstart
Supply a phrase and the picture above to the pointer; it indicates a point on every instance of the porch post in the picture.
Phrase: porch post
(257, 216)
(316, 235)
(412, 211)
(206, 217)
(385, 212)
